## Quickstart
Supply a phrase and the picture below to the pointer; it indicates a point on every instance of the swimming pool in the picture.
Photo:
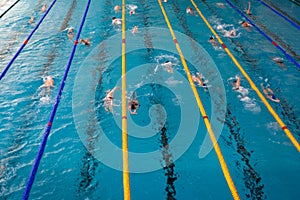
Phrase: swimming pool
(170, 151)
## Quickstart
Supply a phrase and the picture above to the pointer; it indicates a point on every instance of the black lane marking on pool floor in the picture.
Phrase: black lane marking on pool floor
(289, 113)
(252, 179)
(66, 20)
(283, 12)
(87, 182)
(297, 2)
(59, 40)
(147, 37)
(169, 166)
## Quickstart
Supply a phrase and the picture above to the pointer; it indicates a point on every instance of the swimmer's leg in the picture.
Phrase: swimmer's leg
(110, 107)
(134, 95)
(42, 86)
(156, 68)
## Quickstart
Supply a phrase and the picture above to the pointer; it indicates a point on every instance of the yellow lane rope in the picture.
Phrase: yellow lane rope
(126, 180)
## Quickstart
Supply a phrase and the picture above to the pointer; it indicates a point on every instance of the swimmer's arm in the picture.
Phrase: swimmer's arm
(270, 90)
(194, 78)
(114, 89)
(199, 75)
(263, 89)
(129, 107)
(262, 86)
(42, 86)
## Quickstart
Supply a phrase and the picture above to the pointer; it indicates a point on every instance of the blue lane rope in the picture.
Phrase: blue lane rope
(266, 36)
(9, 9)
(26, 41)
(49, 124)
(280, 14)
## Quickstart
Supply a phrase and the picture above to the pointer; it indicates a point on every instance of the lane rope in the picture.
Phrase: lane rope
(202, 111)
(9, 8)
(253, 86)
(280, 14)
(53, 112)
(290, 58)
(26, 41)
(126, 178)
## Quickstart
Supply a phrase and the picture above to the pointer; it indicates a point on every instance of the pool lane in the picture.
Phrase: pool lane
(253, 86)
(202, 111)
(53, 112)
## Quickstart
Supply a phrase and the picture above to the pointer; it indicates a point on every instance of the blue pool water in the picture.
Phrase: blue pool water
(82, 158)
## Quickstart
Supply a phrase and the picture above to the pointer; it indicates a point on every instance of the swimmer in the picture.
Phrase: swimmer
(168, 66)
(108, 100)
(2, 169)
(86, 42)
(269, 93)
(132, 9)
(237, 82)
(133, 106)
(231, 33)
(31, 20)
(240, 89)
(117, 8)
(44, 8)
(245, 24)
(248, 11)
(199, 79)
(221, 5)
(280, 62)
(116, 21)
(135, 30)
(70, 33)
(132, 12)
(220, 27)
(212, 41)
(189, 10)
(48, 84)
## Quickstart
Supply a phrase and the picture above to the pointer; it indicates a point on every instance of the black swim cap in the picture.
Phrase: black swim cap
(113, 18)
(211, 37)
